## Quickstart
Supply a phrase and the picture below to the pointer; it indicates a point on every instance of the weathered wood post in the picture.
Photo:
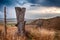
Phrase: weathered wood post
(20, 13)
(5, 27)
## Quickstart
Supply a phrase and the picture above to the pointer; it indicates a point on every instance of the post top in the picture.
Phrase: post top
(21, 8)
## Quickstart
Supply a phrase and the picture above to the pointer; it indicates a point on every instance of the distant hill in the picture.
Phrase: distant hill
(48, 23)
(14, 21)
(9, 21)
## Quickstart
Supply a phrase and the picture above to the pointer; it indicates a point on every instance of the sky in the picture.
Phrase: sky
(34, 8)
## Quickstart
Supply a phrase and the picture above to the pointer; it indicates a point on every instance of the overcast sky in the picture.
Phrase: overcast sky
(34, 8)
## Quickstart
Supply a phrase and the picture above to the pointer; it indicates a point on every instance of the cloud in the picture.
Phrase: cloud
(46, 2)
(7, 2)
(12, 3)
(11, 12)
(1, 15)
(44, 10)
(41, 16)
(34, 8)
(10, 6)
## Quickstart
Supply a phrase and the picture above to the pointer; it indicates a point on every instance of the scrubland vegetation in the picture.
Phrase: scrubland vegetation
(32, 33)
(37, 30)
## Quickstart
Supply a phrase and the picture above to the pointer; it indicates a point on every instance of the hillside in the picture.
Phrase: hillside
(52, 23)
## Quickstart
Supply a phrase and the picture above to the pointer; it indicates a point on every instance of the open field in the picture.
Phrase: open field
(32, 33)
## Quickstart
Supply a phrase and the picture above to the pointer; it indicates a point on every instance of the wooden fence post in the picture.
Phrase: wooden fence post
(5, 27)
(20, 13)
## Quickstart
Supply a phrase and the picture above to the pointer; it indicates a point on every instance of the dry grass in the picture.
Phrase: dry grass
(32, 33)
(11, 34)
(40, 33)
